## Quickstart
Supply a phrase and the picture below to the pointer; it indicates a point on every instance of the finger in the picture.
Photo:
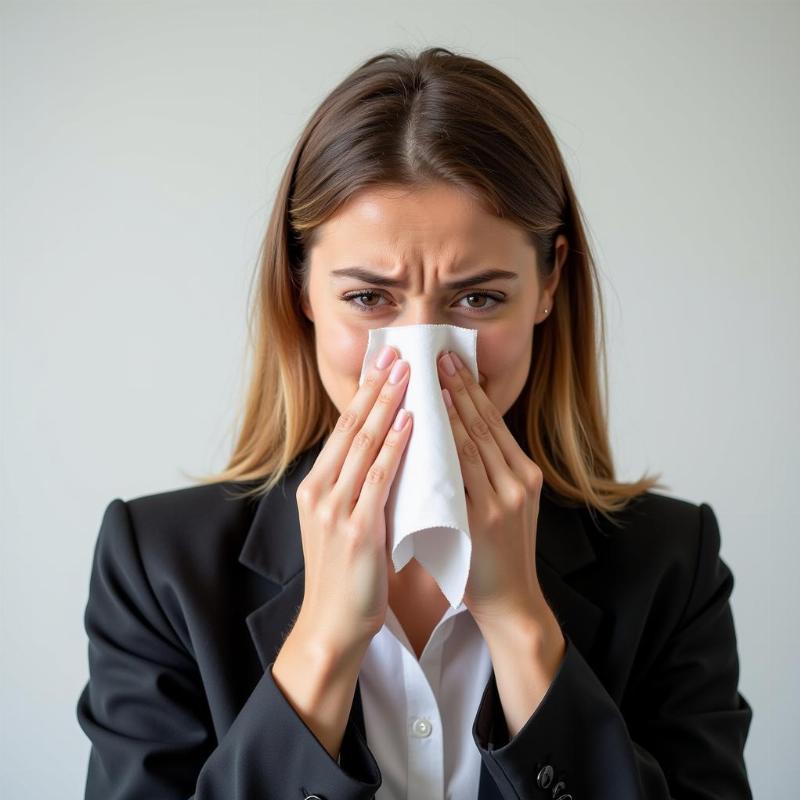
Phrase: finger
(370, 439)
(328, 465)
(371, 502)
(476, 481)
(495, 466)
(515, 456)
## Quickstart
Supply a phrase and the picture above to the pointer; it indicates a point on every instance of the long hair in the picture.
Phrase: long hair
(415, 120)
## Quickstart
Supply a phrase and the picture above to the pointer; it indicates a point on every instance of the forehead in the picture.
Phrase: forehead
(409, 224)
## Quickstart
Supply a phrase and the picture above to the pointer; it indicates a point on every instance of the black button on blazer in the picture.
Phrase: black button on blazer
(193, 591)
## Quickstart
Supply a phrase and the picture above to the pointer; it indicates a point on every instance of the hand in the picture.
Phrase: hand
(341, 505)
(503, 487)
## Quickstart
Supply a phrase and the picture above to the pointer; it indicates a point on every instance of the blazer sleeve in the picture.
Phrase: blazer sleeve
(687, 739)
(147, 716)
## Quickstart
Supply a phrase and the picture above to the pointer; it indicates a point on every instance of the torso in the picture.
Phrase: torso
(417, 602)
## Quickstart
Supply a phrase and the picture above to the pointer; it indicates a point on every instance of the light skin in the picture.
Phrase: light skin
(424, 238)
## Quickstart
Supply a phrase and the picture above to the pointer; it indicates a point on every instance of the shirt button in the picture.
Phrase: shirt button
(421, 727)
(559, 789)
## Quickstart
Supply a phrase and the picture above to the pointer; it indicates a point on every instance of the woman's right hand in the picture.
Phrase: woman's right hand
(341, 505)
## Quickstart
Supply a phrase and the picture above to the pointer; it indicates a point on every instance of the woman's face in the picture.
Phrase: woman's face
(421, 240)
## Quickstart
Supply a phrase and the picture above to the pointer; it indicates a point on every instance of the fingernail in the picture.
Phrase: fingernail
(456, 360)
(400, 419)
(447, 363)
(398, 371)
(385, 357)
(447, 399)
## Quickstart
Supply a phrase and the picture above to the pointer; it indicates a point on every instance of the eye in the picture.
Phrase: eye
(368, 309)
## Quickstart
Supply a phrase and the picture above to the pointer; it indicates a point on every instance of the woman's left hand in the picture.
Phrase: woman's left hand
(503, 487)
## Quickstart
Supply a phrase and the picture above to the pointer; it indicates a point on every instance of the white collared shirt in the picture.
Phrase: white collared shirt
(418, 714)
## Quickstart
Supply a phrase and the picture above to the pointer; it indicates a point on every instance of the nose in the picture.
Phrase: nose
(426, 317)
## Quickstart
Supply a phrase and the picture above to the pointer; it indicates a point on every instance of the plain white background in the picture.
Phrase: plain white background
(141, 145)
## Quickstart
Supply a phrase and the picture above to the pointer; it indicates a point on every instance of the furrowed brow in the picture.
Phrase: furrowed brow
(363, 274)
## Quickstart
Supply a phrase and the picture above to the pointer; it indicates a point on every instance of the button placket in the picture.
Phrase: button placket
(425, 742)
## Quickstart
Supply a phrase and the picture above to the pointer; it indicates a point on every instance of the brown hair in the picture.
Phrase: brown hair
(414, 120)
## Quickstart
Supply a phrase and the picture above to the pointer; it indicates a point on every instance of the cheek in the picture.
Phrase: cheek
(503, 355)
(504, 362)
(340, 352)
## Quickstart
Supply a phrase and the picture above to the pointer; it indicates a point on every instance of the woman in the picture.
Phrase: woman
(249, 638)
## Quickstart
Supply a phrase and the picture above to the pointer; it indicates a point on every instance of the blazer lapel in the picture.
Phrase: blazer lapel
(273, 549)
(563, 546)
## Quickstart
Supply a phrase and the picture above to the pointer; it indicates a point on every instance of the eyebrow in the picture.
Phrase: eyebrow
(363, 274)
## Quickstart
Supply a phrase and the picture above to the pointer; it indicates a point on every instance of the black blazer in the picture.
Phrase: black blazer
(192, 592)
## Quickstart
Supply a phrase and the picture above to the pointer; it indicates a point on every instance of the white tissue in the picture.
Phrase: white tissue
(426, 511)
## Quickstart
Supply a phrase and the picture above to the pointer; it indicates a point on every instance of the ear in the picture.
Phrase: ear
(548, 292)
(561, 248)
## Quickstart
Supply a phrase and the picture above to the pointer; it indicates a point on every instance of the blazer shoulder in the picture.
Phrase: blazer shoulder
(662, 525)
(663, 542)
(210, 503)
(190, 527)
